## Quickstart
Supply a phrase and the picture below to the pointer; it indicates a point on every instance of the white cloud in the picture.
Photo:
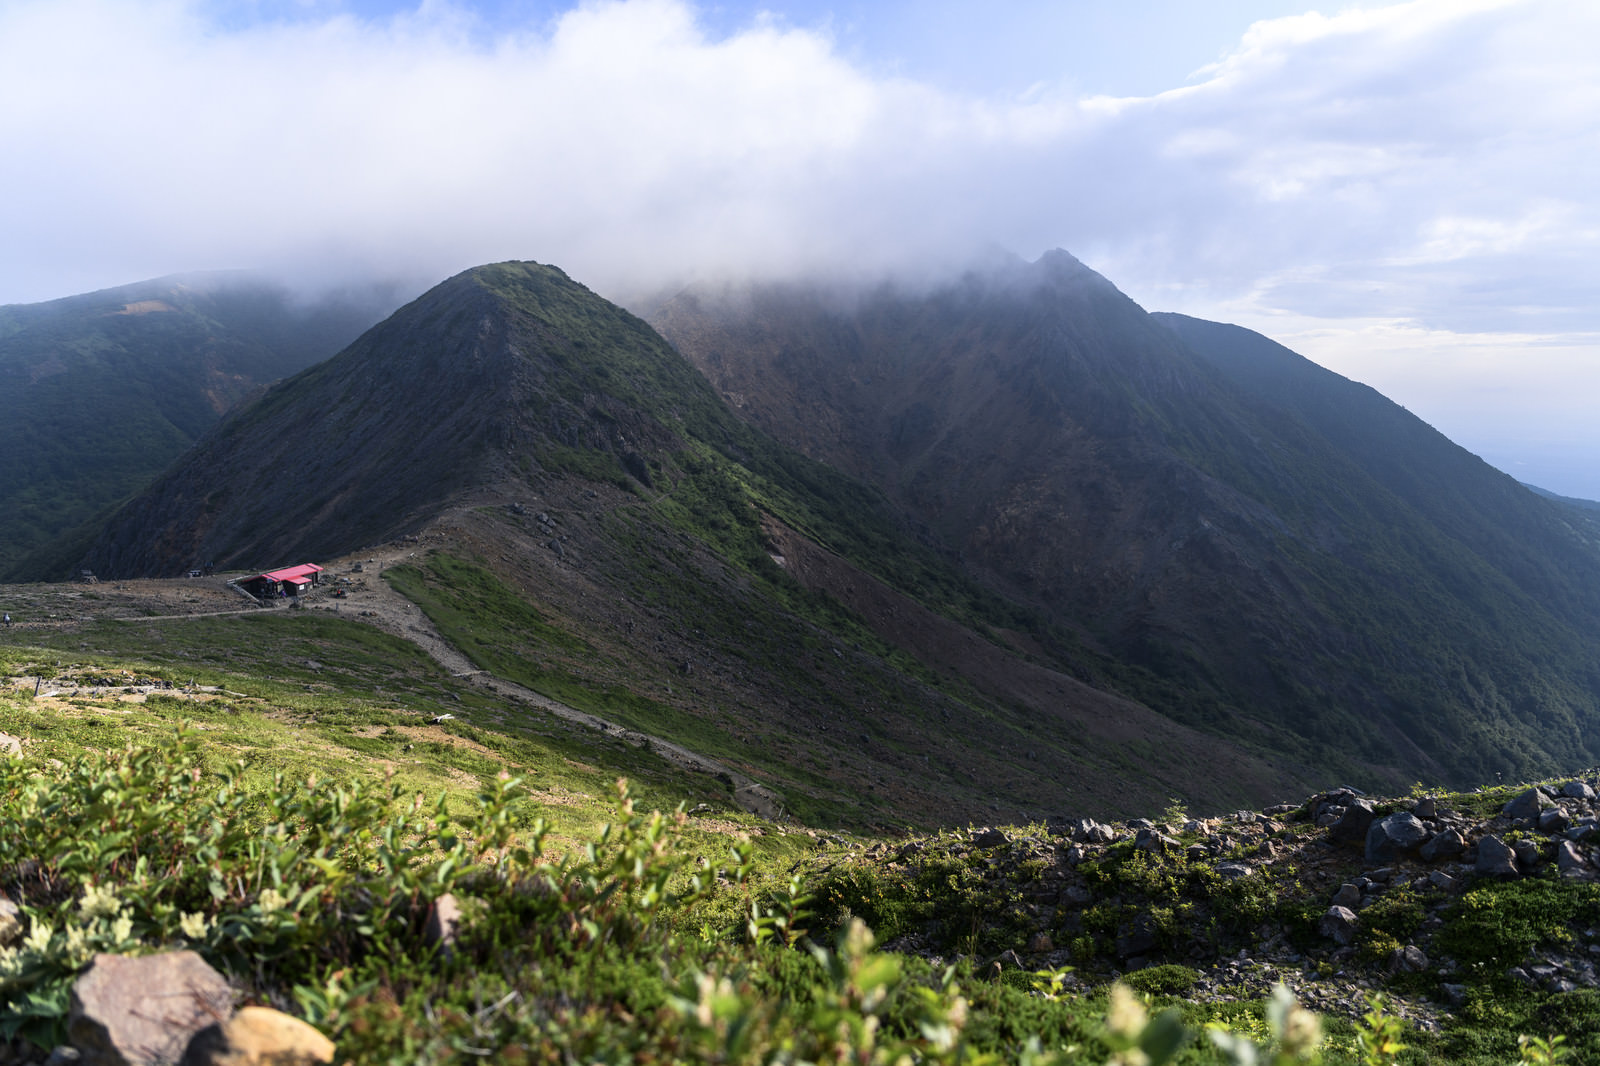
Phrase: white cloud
(1431, 163)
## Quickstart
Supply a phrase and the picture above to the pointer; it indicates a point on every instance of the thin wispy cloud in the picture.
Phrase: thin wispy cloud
(1430, 165)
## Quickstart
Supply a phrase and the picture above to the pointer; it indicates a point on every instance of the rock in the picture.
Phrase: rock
(1527, 853)
(444, 923)
(1569, 860)
(1409, 959)
(1455, 995)
(1156, 842)
(10, 923)
(1442, 881)
(1348, 896)
(1445, 845)
(143, 1011)
(1553, 820)
(1077, 895)
(1577, 790)
(1526, 807)
(1352, 826)
(1232, 871)
(258, 1036)
(1390, 838)
(990, 838)
(62, 1055)
(1197, 853)
(1339, 923)
(1089, 831)
(1584, 832)
(1495, 859)
(1426, 808)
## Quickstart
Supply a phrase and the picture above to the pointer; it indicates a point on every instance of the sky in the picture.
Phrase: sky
(1406, 192)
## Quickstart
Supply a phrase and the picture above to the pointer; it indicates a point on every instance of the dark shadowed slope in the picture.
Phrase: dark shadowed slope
(1235, 562)
(99, 393)
(1537, 547)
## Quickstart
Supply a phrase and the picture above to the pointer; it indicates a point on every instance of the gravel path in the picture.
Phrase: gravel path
(371, 599)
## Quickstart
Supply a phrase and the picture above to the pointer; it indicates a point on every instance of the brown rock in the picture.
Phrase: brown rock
(444, 923)
(259, 1036)
(142, 1011)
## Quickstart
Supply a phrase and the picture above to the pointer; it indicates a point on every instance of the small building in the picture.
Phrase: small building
(290, 581)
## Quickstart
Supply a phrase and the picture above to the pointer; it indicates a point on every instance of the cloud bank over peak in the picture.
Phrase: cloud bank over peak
(1429, 164)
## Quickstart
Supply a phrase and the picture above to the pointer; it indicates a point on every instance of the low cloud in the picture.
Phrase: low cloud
(1431, 163)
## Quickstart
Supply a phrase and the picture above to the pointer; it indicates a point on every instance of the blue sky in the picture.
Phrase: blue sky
(1407, 192)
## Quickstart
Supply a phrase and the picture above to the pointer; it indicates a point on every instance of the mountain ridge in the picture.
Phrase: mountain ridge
(100, 392)
(1083, 456)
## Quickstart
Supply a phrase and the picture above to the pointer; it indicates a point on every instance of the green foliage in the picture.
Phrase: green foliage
(1293, 1035)
(1168, 979)
(1495, 925)
(946, 896)
(1379, 1035)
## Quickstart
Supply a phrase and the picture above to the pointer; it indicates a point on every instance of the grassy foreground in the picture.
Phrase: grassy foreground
(297, 829)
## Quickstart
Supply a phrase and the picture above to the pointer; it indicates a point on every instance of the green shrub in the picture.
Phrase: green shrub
(1166, 980)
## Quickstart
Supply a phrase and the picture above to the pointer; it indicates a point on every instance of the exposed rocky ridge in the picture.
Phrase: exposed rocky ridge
(1078, 454)
(1336, 897)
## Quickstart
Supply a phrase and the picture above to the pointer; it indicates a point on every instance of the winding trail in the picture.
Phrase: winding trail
(377, 603)
(371, 600)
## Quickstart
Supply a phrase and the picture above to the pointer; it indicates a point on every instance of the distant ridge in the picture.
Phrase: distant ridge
(1570, 501)
(100, 392)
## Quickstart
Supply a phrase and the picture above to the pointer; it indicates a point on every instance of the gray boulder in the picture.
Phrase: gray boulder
(143, 1011)
(1443, 845)
(1348, 896)
(1553, 820)
(1527, 853)
(1156, 842)
(1527, 806)
(1352, 826)
(1570, 860)
(1390, 838)
(1339, 924)
(989, 838)
(1577, 790)
(1495, 859)
(1409, 959)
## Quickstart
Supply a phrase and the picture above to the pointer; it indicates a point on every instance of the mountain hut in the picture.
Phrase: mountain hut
(290, 581)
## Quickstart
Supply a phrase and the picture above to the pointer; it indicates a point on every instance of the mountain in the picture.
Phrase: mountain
(1570, 501)
(1248, 542)
(99, 393)
(591, 520)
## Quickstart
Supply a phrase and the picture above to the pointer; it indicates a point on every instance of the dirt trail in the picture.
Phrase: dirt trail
(367, 598)
(373, 600)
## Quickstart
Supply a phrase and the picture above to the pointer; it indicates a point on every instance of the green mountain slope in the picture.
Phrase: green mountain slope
(677, 569)
(1240, 558)
(99, 393)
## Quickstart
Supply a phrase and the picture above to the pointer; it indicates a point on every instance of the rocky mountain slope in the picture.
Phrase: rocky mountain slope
(99, 393)
(1248, 541)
